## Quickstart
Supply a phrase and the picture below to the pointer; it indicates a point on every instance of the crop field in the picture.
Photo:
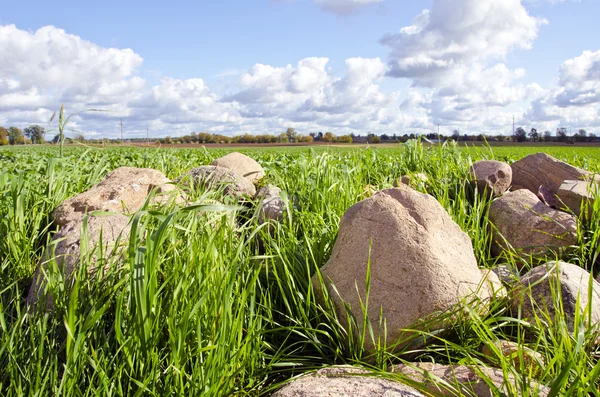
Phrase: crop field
(207, 300)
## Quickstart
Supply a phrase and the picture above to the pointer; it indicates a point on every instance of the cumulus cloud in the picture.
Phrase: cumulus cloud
(344, 7)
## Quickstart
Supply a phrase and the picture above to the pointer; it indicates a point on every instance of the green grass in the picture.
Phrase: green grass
(199, 306)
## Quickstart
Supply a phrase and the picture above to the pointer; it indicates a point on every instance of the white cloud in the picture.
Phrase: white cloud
(344, 7)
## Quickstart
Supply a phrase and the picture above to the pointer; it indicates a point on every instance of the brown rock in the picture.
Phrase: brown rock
(530, 226)
(573, 194)
(213, 177)
(540, 169)
(466, 380)
(539, 286)
(241, 164)
(123, 190)
(521, 356)
(422, 263)
(67, 249)
(494, 176)
(344, 381)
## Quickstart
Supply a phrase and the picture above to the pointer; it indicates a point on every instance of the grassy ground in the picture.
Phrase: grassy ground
(216, 313)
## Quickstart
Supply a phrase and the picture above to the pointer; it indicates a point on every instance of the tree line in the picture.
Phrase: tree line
(16, 136)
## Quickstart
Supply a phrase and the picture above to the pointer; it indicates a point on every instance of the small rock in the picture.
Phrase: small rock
(344, 381)
(492, 175)
(537, 287)
(573, 194)
(530, 226)
(271, 206)
(241, 164)
(533, 362)
(507, 275)
(541, 169)
(466, 380)
(123, 190)
(214, 177)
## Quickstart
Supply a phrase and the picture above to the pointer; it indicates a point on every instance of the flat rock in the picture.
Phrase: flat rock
(123, 190)
(491, 175)
(466, 380)
(344, 381)
(67, 246)
(572, 194)
(421, 262)
(241, 164)
(530, 226)
(541, 169)
(212, 177)
(536, 288)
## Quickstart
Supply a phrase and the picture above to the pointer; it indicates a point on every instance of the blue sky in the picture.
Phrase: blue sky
(259, 66)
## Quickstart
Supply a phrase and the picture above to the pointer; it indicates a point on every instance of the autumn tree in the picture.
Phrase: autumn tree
(35, 133)
(3, 136)
(15, 136)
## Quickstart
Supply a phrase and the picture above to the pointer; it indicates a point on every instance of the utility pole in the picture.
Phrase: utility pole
(121, 130)
(148, 135)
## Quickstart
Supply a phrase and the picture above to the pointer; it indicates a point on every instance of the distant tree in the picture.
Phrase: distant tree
(35, 133)
(15, 136)
(304, 138)
(328, 137)
(534, 136)
(79, 138)
(547, 136)
(520, 135)
(3, 136)
(291, 134)
(345, 139)
(372, 138)
(561, 134)
(581, 135)
(500, 138)
(456, 135)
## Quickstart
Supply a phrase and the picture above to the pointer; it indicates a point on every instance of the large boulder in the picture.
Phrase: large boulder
(538, 290)
(491, 175)
(530, 226)
(574, 194)
(66, 246)
(212, 177)
(241, 164)
(421, 262)
(344, 381)
(123, 190)
(467, 380)
(541, 169)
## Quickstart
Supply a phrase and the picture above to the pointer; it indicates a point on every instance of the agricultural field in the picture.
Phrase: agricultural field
(206, 299)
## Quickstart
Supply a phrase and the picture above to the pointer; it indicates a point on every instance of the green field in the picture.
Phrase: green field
(219, 313)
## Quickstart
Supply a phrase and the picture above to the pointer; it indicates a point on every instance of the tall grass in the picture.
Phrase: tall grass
(205, 300)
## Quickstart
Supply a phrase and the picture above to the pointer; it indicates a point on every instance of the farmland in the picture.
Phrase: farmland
(224, 312)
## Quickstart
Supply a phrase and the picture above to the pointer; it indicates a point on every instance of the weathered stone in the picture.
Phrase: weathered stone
(573, 194)
(507, 275)
(539, 289)
(491, 175)
(541, 169)
(521, 356)
(66, 246)
(122, 190)
(344, 381)
(530, 226)
(212, 177)
(271, 205)
(241, 164)
(493, 283)
(467, 380)
(421, 262)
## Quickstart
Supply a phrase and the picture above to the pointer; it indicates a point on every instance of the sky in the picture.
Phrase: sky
(260, 66)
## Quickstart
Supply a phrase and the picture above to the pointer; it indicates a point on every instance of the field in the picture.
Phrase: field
(234, 313)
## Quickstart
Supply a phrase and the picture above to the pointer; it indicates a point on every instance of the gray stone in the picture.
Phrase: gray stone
(466, 380)
(507, 275)
(344, 381)
(573, 194)
(241, 164)
(491, 175)
(530, 226)
(212, 177)
(421, 262)
(538, 289)
(271, 206)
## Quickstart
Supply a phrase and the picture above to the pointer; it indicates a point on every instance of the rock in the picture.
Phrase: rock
(409, 180)
(536, 289)
(466, 380)
(122, 190)
(493, 283)
(491, 175)
(214, 177)
(532, 361)
(344, 381)
(548, 198)
(540, 169)
(271, 206)
(529, 226)
(241, 164)
(422, 263)
(507, 275)
(573, 194)
(67, 249)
